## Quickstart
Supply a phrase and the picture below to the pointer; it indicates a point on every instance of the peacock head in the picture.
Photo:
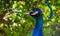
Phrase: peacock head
(35, 13)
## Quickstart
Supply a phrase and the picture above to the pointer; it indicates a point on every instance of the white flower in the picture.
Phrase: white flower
(6, 25)
(15, 1)
(10, 18)
(20, 10)
(5, 19)
(13, 20)
(19, 24)
(14, 24)
(9, 15)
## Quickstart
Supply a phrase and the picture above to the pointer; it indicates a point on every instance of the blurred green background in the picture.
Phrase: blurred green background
(13, 21)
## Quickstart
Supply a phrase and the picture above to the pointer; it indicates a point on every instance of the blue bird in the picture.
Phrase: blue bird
(37, 14)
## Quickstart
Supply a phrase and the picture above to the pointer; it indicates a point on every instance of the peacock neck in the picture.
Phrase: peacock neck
(39, 22)
(38, 28)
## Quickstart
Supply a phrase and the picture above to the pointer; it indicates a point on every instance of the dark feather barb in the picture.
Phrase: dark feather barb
(51, 11)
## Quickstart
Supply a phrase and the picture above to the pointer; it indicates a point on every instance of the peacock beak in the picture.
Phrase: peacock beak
(32, 12)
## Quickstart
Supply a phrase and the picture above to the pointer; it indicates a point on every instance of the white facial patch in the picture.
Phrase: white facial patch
(36, 12)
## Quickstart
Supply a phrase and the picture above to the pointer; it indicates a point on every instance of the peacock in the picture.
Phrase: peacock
(37, 14)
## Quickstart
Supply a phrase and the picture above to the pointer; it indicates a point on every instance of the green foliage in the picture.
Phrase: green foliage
(16, 23)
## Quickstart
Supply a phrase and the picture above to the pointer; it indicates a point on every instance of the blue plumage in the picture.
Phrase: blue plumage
(39, 22)
(37, 14)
